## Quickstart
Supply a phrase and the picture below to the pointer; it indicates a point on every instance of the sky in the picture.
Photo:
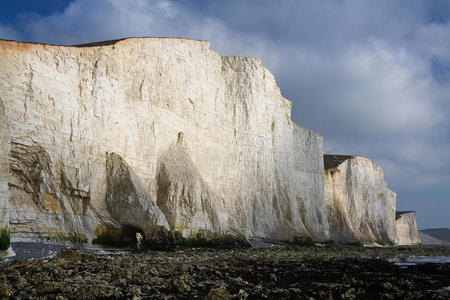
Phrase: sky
(372, 76)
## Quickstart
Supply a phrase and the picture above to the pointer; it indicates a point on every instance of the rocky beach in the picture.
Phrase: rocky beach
(276, 272)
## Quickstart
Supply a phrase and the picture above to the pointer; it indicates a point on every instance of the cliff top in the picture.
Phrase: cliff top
(104, 43)
(332, 161)
(11, 47)
(398, 214)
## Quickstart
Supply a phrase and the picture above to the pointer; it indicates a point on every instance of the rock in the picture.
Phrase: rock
(180, 284)
(220, 293)
(352, 272)
(236, 281)
(241, 295)
(121, 274)
(76, 255)
(96, 291)
(20, 282)
(5, 289)
(135, 291)
(406, 228)
(206, 139)
(359, 206)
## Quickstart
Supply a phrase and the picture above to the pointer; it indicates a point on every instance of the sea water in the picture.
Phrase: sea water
(414, 260)
(44, 251)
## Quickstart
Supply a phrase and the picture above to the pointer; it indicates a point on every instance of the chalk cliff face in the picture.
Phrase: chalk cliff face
(359, 206)
(164, 130)
(4, 177)
(406, 228)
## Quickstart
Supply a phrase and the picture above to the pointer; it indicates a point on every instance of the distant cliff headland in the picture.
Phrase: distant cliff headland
(164, 138)
(435, 236)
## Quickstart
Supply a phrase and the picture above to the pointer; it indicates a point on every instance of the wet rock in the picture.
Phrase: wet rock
(241, 295)
(75, 255)
(5, 289)
(121, 274)
(220, 293)
(20, 282)
(96, 290)
(134, 290)
(336, 272)
(236, 281)
(180, 284)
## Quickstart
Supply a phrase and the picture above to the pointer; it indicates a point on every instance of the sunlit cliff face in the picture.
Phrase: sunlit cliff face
(359, 206)
(406, 229)
(244, 165)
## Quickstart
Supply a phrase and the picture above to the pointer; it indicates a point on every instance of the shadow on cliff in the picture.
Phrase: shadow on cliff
(34, 196)
(127, 200)
(182, 194)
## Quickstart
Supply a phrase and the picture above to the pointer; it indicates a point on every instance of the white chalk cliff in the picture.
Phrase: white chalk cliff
(155, 131)
(406, 228)
(359, 206)
(4, 177)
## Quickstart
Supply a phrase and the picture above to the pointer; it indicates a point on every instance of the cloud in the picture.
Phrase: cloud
(8, 33)
(85, 21)
(372, 77)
